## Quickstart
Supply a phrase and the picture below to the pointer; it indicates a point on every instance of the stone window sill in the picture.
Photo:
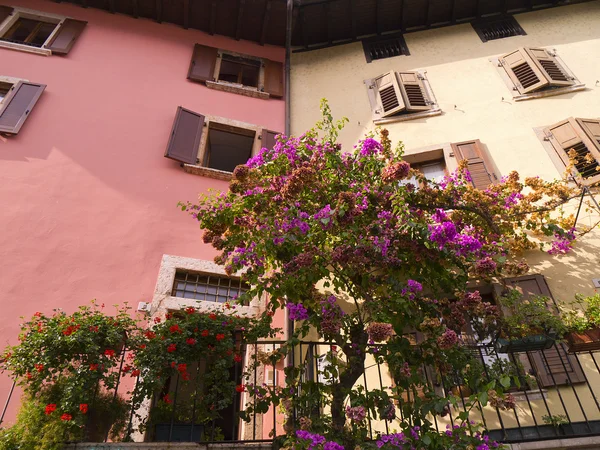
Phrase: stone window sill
(208, 172)
(549, 92)
(237, 89)
(405, 117)
(25, 48)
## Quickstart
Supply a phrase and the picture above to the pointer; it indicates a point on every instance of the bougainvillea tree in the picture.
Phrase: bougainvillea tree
(318, 228)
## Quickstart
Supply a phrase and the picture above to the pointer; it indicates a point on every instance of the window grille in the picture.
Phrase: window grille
(490, 29)
(384, 47)
(209, 288)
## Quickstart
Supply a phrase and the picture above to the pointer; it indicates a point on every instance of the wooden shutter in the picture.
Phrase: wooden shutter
(413, 91)
(523, 71)
(577, 135)
(202, 65)
(18, 105)
(548, 365)
(478, 164)
(5, 11)
(273, 79)
(185, 136)
(65, 37)
(388, 95)
(550, 67)
(268, 138)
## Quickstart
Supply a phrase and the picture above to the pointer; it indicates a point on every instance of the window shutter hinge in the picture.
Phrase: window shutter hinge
(451, 154)
(420, 77)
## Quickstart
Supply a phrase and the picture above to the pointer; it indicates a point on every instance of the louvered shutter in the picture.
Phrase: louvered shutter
(573, 134)
(553, 366)
(65, 37)
(18, 105)
(268, 138)
(202, 65)
(523, 71)
(478, 164)
(413, 91)
(591, 127)
(550, 66)
(273, 80)
(5, 11)
(184, 141)
(388, 95)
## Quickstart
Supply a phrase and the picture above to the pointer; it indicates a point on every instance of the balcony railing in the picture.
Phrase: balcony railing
(556, 396)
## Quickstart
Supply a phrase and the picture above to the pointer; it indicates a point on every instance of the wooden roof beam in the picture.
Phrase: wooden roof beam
(111, 6)
(136, 10)
(186, 14)
(159, 11)
(428, 10)
(453, 19)
(403, 11)
(329, 15)
(213, 17)
(378, 9)
(352, 9)
(479, 9)
(304, 27)
(265, 22)
(240, 18)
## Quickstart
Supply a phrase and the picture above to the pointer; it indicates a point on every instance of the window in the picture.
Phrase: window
(398, 96)
(492, 28)
(38, 32)
(226, 143)
(536, 72)
(384, 47)
(232, 72)
(208, 288)
(580, 139)
(17, 99)
(437, 161)
(227, 147)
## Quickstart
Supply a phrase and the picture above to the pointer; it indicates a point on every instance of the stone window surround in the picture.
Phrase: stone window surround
(35, 15)
(163, 301)
(11, 80)
(432, 153)
(256, 92)
(434, 111)
(550, 92)
(199, 169)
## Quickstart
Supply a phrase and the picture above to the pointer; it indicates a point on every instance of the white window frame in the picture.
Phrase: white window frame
(163, 301)
(9, 80)
(25, 13)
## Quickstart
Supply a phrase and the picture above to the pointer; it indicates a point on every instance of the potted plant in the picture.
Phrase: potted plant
(558, 421)
(528, 324)
(510, 374)
(584, 330)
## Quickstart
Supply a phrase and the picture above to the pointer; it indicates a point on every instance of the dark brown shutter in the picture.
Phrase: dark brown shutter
(523, 71)
(268, 138)
(65, 37)
(5, 11)
(548, 365)
(273, 83)
(414, 92)
(185, 136)
(18, 105)
(478, 164)
(202, 65)
(578, 135)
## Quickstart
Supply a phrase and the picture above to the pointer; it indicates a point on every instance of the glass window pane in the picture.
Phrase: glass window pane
(211, 298)
(434, 172)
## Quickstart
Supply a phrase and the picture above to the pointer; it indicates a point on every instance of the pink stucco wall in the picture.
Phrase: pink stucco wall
(88, 200)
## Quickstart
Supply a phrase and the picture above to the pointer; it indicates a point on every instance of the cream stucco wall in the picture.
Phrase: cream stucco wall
(470, 91)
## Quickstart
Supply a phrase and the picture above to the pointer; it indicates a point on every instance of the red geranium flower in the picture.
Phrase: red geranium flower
(190, 341)
(39, 367)
(169, 315)
(181, 367)
(150, 334)
(83, 408)
(157, 320)
(172, 363)
(190, 310)
(171, 348)
(166, 399)
(94, 329)
(220, 337)
(93, 366)
(38, 314)
(237, 358)
(205, 333)
(142, 347)
(29, 376)
(185, 376)
(135, 373)
(50, 408)
(175, 329)
(240, 388)
(69, 331)
(66, 417)
(126, 369)
(110, 353)
(212, 316)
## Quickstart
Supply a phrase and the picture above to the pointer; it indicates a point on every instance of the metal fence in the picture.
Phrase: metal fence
(555, 395)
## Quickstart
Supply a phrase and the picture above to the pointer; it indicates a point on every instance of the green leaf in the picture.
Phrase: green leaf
(483, 398)
(505, 381)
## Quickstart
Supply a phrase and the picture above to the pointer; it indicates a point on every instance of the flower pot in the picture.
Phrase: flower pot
(525, 344)
(461, 391)
(182, 432)
(588, 340)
